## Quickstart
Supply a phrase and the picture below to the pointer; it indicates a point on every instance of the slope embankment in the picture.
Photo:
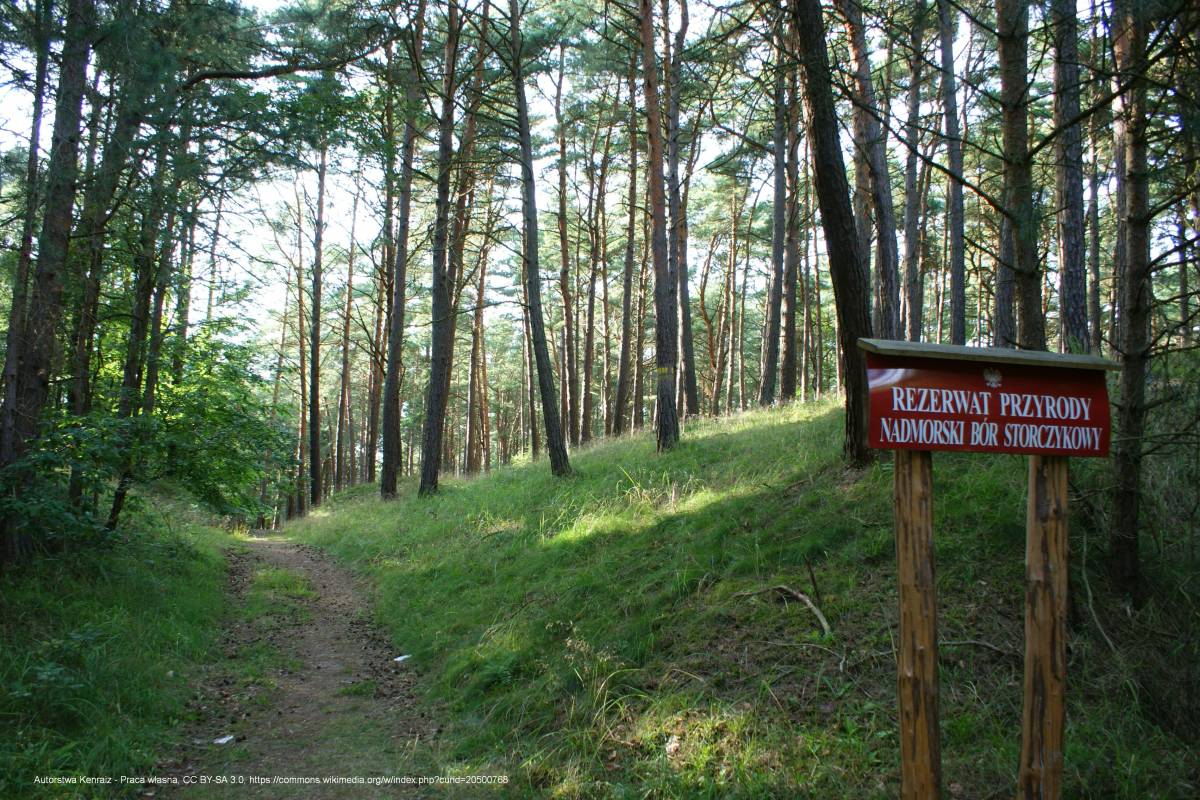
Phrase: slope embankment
(637, 629)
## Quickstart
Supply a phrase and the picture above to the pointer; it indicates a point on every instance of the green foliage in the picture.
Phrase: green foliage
(614, 634)
(99, 645)
(209, 434)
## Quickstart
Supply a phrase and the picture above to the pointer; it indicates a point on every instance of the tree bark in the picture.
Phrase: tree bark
(341, 479)
(770, 342)
(954, 189)
(442, 305)
(15, 338)
(144, 264)
(912, 193)
(624, 367)
(850, 285)
(791, 251)
(24, 403)
(687, 388)
(1012, 31)
(570, 376)
(555, 445)
(665, 283)
(1068, 179)
(316, 488)
(1129, 47)
(394, 370)
(875, 156)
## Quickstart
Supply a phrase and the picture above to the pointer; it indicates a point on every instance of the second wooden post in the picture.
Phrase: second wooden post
(1044, 715)
(917, 667)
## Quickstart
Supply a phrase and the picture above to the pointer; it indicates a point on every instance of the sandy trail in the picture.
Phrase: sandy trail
(306, 695)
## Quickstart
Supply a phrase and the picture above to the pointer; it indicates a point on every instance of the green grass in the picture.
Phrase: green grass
(276, 597)
(605, 635)
(98, 646)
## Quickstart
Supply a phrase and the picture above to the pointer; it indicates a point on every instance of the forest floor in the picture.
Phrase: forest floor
(307, 688)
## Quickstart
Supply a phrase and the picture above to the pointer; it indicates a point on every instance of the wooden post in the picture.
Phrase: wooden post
(1044, 714)
(917, 667)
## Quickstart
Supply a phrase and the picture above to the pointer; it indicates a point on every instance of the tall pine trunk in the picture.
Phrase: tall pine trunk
(850, 284)
(442, 301)
(665, 285)
(316, 487)
(1129, 48)
(874, 143)
(954, 189)
(555, 444)
(912, 192)
(394, 370)
(1020, 251)
(1068, 179)
(770, 342)
(34, 359)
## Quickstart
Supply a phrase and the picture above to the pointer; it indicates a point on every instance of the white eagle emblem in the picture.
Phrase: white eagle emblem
(992, 378)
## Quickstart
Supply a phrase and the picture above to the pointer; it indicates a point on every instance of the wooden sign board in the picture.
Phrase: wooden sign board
(926, 397)
(985, 400)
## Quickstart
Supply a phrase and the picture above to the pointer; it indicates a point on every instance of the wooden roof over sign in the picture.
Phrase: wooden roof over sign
(998, 355)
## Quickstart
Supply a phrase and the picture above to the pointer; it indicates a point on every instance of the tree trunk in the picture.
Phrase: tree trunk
(791, 253)
(394, 370)
(687, 389)
(442, 311)
(912, 193)
(314, 361)
(770, 343)
(301, 502)
(1068, 179)
(596, 203)
(183, 299)
(954, 189)
(341, 479)
(1129, 48)
(850, 284)
(261, 522)
(555, 445)
(15, 338)
(639, 386)
(875, 143)
(1012, 31)
(624, 366)
(23, 404)
(1095, 317)
(665, 285)
(144, 264)
(569, 376)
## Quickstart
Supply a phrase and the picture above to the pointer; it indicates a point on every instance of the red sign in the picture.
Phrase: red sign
(931, 403)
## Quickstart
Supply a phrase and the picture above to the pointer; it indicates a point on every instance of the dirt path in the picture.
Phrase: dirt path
(308, 688)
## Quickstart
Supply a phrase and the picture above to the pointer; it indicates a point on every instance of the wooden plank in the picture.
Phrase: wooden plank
(1044, 713)
(917, 665)
(996, 355)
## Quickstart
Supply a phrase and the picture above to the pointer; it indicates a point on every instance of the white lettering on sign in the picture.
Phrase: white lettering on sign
(922, 400)
(1051, 437)
(922, 431)
(1045, 406)
(963, 402)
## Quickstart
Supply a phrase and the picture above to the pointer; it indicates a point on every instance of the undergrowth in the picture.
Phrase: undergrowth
(618, 633)
(99, 642)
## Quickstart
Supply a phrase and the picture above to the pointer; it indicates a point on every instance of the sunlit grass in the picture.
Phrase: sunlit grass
(571, 627)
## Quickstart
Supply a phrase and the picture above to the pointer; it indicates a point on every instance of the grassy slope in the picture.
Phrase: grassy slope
(604, 635)
(98, 646)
